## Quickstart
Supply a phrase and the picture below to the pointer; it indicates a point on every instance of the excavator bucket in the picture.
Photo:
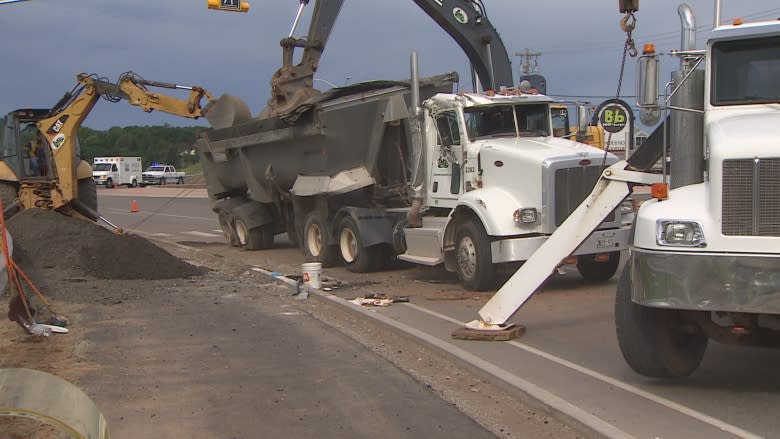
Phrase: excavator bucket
(226, 111)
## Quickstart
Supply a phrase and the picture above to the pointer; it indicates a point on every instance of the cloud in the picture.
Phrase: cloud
(47, 42)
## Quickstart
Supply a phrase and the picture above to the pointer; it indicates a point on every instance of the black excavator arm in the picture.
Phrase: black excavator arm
(464, 20)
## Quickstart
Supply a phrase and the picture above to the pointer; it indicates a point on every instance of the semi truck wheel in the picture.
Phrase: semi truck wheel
(228, 230)
(88, 193)
(314, 241)
(654, 341)
(594, 270)
(257, 238)
(357, 257)
(475, 265)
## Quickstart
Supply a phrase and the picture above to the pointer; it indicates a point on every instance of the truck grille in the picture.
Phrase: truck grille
(751, 197)
(572, 185)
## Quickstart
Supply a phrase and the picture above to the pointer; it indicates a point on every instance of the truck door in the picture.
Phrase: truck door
(447, 160)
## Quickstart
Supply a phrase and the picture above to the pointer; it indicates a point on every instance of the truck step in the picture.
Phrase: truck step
(422, 246)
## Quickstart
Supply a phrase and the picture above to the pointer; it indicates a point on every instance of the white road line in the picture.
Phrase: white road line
(614, 382)
(200, 218)
(202, 234)
(159, 235)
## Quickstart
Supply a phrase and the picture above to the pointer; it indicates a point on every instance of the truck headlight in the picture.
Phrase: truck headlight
(527, 215)
(681, 233)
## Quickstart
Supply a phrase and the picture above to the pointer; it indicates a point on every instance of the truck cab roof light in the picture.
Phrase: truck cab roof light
(659, 191)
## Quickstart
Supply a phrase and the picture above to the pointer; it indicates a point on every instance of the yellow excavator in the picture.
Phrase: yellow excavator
(40, 163)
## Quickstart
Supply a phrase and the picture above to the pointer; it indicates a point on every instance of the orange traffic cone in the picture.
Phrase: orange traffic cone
(134, 206)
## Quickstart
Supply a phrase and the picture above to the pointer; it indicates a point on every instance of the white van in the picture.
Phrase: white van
(113, 171)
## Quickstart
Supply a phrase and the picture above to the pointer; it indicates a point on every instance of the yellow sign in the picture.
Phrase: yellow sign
(228, 5)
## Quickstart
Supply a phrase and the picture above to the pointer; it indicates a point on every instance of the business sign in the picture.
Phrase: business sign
(617, 120)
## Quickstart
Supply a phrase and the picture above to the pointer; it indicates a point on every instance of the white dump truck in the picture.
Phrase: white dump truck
(704, 260)
(116, 171)
(407, 169)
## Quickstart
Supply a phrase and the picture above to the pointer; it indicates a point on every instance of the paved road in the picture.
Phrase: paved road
(568, 358)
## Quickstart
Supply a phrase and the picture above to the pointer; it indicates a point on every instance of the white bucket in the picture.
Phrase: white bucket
(312, 274)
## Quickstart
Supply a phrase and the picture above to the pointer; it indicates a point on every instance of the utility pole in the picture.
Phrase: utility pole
(525, 61)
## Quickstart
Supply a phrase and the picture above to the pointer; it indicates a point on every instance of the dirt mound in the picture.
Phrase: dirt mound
(47, 239)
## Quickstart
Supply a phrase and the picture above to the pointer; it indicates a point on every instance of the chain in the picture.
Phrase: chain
(628, 24)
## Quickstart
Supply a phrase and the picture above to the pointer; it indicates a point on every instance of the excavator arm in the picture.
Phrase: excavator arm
(57, 134)
(464, 20)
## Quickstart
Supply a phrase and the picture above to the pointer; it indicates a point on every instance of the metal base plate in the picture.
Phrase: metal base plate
(504, 334)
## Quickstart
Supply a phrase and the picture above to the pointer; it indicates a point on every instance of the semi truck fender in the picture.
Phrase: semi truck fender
(374, 225)
(495, 209)
(83, 170)
(253, 214)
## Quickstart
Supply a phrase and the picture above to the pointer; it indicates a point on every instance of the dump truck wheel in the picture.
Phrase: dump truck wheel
(652, 340)
(257, 238)
(88, 193)
(228, 230)
(314, 241)
(474, 263)
(598, 271)
(357, 257)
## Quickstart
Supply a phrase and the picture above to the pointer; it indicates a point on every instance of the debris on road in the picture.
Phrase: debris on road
(372, 299)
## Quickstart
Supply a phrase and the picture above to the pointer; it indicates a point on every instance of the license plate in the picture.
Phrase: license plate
(605, 242)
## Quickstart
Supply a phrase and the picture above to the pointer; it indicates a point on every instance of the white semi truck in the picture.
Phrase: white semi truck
(704, 259)
(363, 173)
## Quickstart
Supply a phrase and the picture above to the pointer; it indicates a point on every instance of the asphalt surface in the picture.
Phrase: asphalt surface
(568, 360)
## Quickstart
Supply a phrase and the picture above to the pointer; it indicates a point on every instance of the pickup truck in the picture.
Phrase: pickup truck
(161, 174)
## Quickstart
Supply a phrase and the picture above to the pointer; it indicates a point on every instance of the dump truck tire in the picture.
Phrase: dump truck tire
(598, 271)
(650, 338)
(474, 263)
(314, 241)
(88, 193)
(227, 229)
(256, 238)
(357, 257)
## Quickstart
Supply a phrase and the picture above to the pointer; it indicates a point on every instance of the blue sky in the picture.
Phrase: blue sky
(47, 42)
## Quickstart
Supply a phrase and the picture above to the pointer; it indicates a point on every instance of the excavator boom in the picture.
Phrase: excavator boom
(464, 20)
(64, 182)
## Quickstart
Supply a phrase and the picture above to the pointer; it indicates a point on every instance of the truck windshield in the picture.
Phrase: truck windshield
(746, 71)
(155, 169)
(499, 120)
(101, 167)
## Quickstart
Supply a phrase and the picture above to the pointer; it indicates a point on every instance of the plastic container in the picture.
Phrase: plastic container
(312, 274)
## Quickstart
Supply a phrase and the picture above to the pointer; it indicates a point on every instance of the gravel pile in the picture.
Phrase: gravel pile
(45, 239)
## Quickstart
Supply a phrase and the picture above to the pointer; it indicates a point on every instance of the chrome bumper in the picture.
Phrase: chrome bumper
(706, 282)
(600, 241)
